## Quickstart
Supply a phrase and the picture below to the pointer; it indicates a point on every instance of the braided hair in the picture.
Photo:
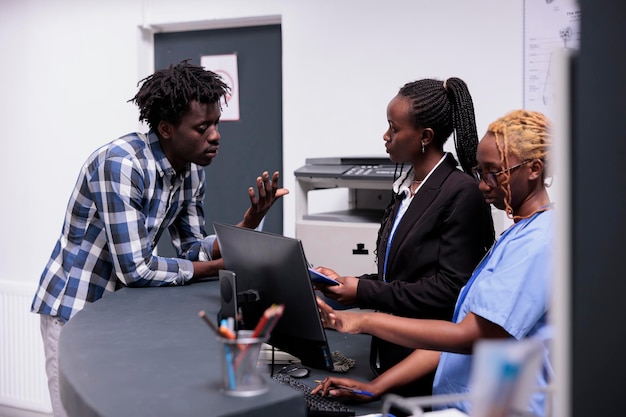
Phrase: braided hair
(446, 107)
(525, 134)
(166, 94)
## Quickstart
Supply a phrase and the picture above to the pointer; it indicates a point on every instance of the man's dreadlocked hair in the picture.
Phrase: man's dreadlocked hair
(166, 94)
(446, 107)
(525, 134)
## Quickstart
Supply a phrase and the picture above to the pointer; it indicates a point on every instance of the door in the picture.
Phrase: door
(252, 144)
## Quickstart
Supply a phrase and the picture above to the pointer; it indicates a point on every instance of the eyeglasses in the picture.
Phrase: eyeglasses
(490, 177)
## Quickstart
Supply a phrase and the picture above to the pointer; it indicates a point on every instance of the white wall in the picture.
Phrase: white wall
(70, 65)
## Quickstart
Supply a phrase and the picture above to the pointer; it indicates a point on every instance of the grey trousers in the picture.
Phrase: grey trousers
(50, 331)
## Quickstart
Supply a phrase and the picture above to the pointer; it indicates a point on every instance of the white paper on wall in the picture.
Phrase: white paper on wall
(549, 25)
(226, 67)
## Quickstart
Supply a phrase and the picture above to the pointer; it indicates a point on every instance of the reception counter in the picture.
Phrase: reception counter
(145, 352)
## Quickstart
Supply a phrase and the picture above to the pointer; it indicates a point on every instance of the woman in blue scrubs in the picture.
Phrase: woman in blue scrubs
(507, 296)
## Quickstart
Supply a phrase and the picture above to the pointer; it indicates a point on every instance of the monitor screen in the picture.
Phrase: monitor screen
(276, 268)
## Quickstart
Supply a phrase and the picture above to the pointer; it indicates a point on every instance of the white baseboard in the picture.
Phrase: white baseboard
(18, 412)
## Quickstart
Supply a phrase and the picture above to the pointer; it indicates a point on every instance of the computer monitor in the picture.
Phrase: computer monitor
(275, 267)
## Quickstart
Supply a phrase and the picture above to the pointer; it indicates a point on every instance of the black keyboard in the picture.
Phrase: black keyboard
(316, 405)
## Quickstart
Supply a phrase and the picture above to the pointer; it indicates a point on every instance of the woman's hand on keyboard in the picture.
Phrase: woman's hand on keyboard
(346, 388)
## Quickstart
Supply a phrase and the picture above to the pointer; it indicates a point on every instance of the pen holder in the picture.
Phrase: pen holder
(241, 377)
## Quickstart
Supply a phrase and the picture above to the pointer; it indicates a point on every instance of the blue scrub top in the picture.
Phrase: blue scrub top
(511, 288)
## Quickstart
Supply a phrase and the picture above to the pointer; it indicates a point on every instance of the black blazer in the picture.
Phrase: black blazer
(444, 233)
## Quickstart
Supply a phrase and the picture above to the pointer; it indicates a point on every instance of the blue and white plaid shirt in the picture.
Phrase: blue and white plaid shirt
(126, 195)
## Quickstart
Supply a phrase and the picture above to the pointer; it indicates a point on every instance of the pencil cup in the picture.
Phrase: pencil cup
(241, 376)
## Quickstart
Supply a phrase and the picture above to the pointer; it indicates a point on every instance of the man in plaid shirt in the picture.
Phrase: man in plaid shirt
(132, 189)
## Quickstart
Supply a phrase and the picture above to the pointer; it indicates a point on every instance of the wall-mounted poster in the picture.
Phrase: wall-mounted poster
(226, 67)
(549, 25)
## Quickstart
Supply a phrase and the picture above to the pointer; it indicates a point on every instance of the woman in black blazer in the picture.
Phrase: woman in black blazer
(437, 226)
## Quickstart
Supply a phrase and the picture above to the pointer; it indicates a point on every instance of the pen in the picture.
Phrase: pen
(263, 328)
(352, 390)
(232, 381)
(356, 391)
(225, 331)
(203, 316)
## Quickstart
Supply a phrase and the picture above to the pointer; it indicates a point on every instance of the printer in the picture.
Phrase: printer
(339, 205)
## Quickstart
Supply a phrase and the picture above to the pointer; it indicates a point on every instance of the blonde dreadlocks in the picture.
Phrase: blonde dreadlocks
(525, 134)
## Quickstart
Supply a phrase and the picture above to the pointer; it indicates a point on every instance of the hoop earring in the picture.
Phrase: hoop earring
(423, 148)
